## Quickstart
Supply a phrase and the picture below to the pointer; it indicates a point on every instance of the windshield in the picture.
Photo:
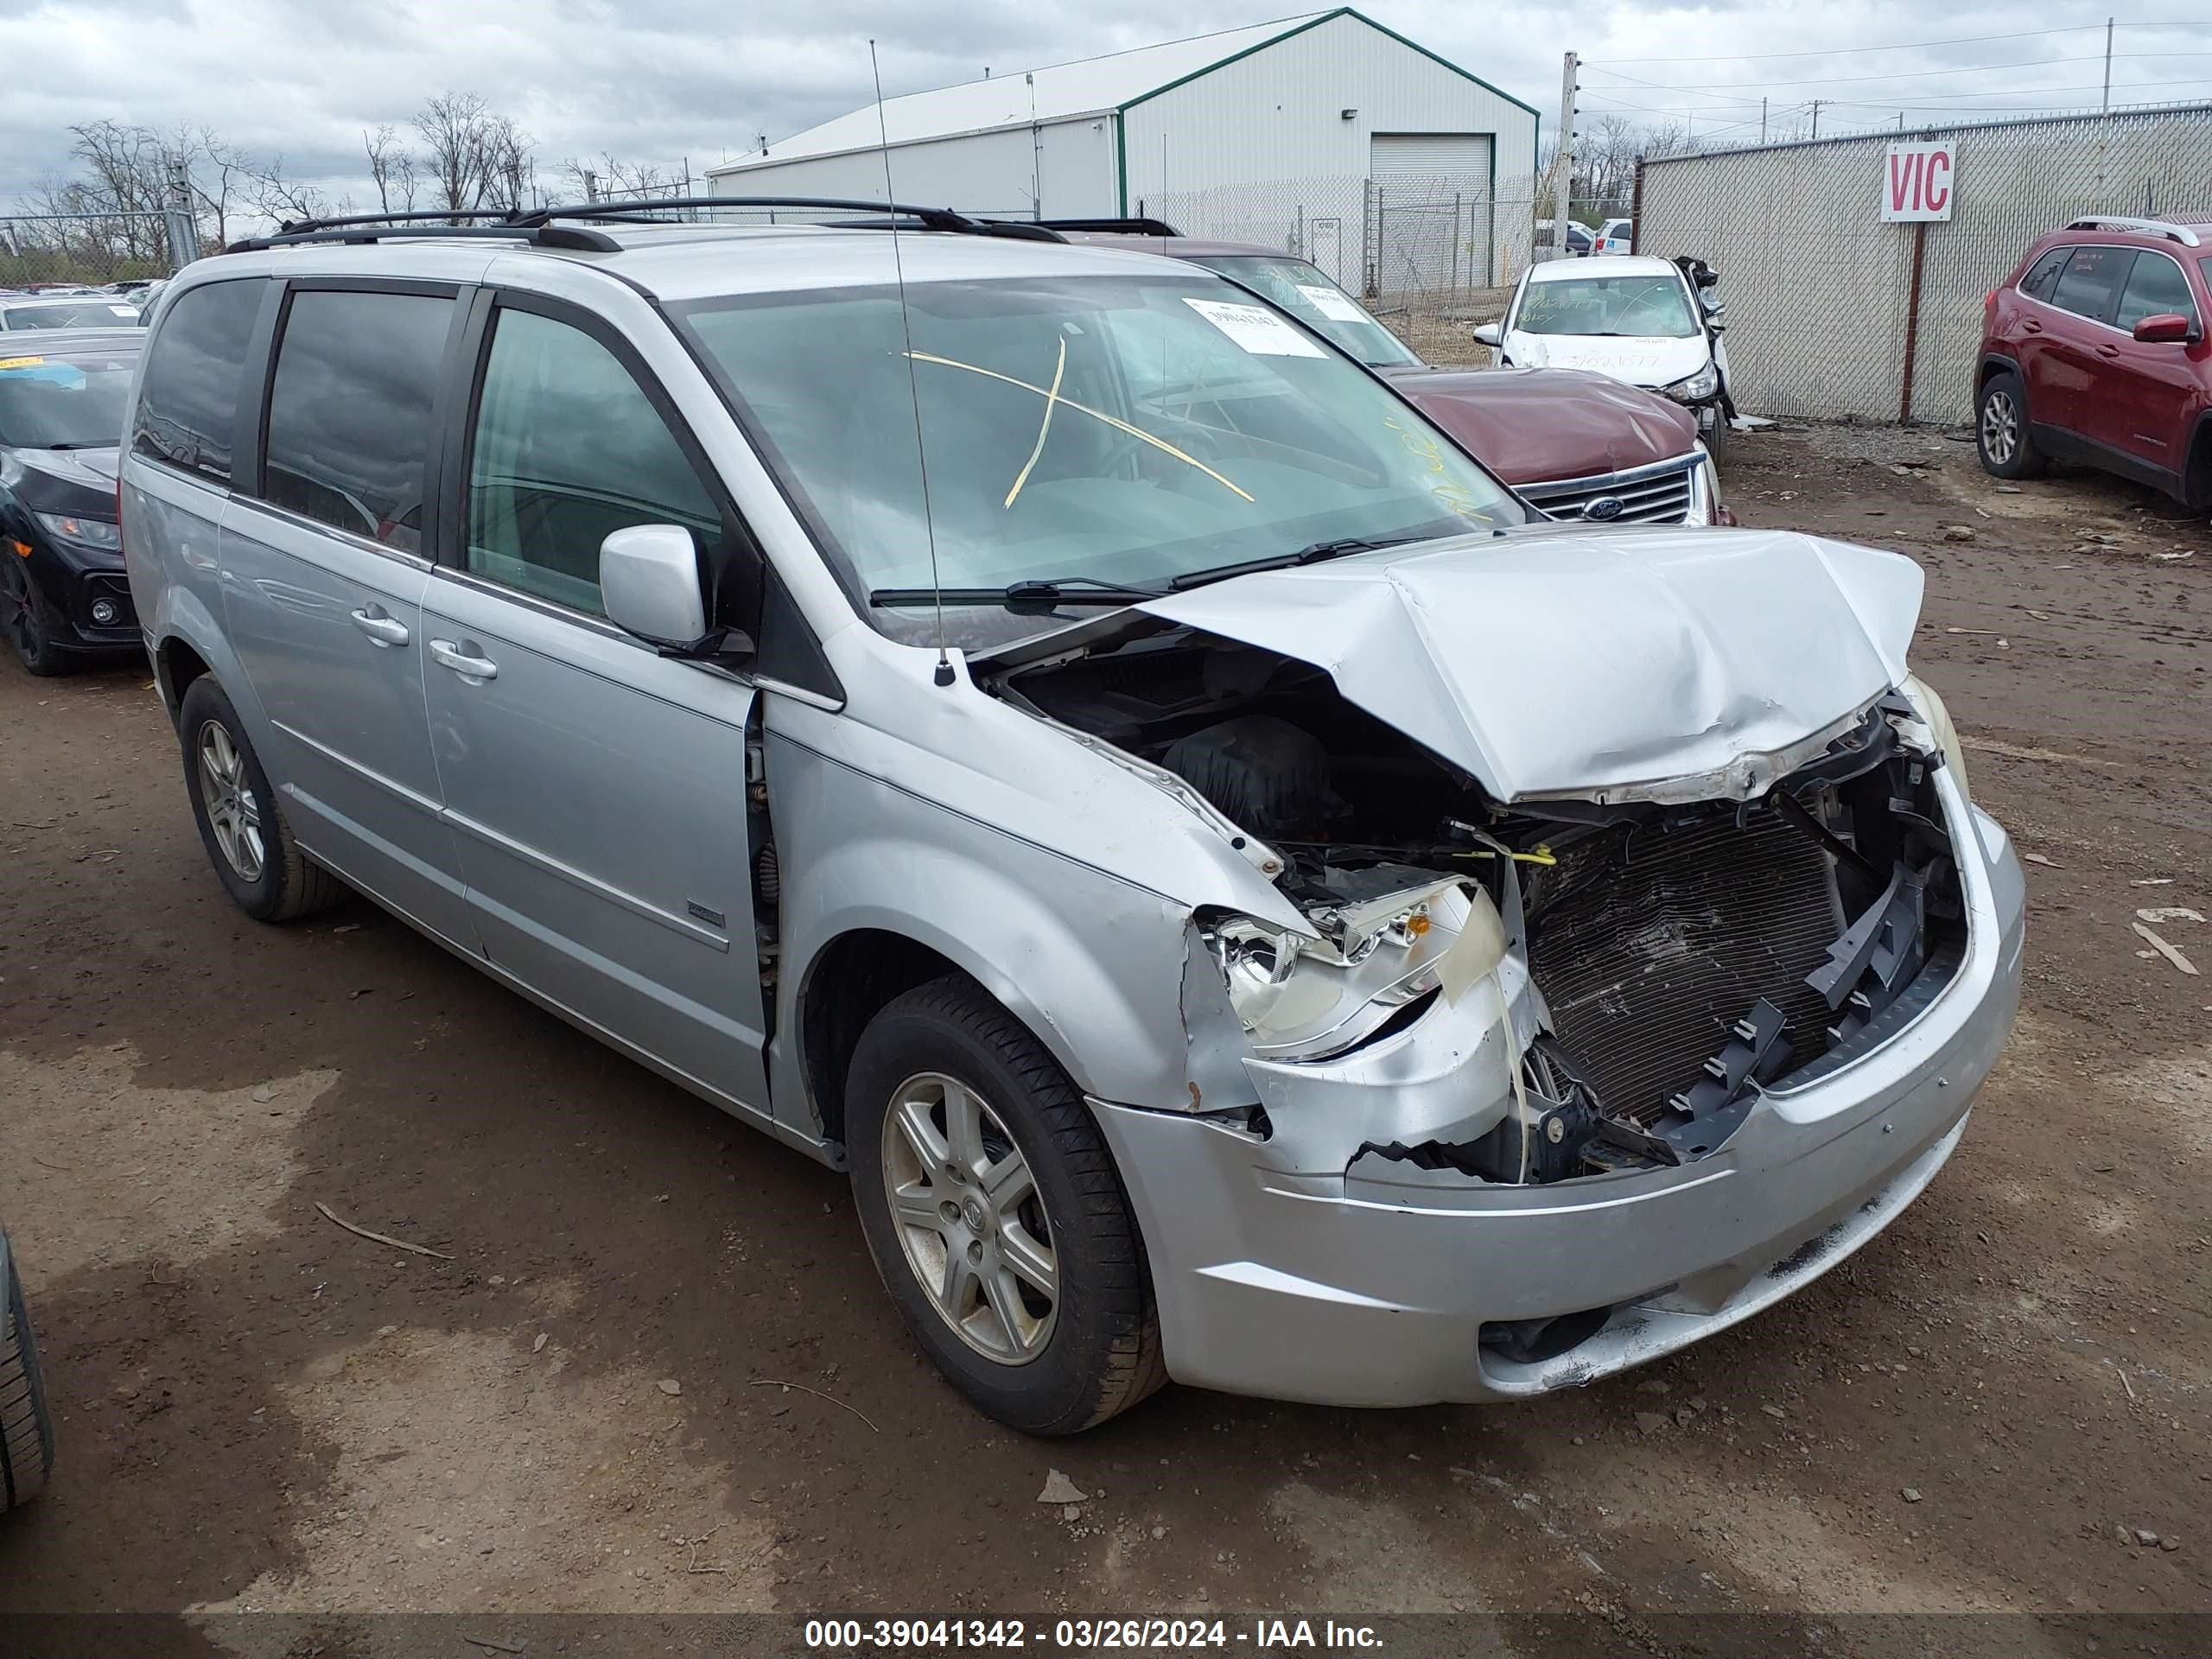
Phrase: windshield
(84, 313)
(1648, 308)
(1105, 428)
(1297, 287)
(74, 403)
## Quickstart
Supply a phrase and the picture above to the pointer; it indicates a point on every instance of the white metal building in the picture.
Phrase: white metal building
(1328, 98)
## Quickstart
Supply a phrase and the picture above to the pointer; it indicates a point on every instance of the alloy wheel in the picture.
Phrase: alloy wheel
(228, 796)
(2000, 428)
(970, 1218)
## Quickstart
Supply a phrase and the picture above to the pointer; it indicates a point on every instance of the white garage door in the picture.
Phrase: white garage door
(1431, 222)
(1460, 157)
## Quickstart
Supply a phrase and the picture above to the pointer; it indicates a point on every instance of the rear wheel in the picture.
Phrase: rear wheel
(30, 622)
(241, 823)
(26, 1427)
(996, 1215)
(2001, 434)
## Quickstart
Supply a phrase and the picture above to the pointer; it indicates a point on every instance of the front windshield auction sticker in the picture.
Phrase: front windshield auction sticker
(1340, 307)
(1256, 329)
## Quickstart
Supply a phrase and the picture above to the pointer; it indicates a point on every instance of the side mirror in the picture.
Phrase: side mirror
(649, 582)
(2167, 328)
(1490, 334)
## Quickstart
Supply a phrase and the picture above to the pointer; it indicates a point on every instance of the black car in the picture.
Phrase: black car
(26, 1428)
(63, 596)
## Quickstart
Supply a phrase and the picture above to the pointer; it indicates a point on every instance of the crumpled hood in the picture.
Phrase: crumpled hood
(1640, 361)
(1565, 662)
(1532, 426)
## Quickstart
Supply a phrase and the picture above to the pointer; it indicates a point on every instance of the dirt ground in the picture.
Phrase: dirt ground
(584, 1408)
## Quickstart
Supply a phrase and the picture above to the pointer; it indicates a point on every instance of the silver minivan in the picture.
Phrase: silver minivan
(1249, 901)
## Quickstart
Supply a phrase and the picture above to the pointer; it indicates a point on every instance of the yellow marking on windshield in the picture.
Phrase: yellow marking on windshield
(1422, 447)
(1051, 398)
(20, 362)
(1084, 409)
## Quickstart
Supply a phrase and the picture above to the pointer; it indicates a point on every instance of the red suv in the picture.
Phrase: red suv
(2095, 352)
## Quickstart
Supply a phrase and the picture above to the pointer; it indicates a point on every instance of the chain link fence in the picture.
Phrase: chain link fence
(1819, 288)
(92, 249)
(1433, 257)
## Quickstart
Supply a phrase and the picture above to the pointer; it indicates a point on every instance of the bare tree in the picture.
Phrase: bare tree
(610, 176)
(475, 160)
(391, 168)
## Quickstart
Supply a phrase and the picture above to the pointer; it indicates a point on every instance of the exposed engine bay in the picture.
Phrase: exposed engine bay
(1649, 968)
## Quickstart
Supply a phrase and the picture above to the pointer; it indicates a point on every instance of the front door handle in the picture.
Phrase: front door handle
(2108, 351)
(462, 658)
(383, 631)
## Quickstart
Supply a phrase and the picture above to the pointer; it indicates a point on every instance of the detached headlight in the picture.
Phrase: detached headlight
(85, 532)
(1695, 388)
(1301, 997)
(1938, 719)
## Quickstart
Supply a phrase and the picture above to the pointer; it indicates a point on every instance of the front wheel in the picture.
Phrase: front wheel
(30, 622)
(995, 1216)
(2001, 434)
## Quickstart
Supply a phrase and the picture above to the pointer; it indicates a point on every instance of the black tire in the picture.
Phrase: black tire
(1100, 1353)
(31, 623)
(285, 884)
(2001, 435)
(25, 1426)
(1713, 428)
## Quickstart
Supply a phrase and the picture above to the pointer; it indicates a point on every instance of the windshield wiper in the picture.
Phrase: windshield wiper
(1319, 552)
(1038, 594)
(84, 443)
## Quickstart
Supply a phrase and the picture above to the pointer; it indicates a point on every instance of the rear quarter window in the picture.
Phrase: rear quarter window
(2043, 276)
(188, 413)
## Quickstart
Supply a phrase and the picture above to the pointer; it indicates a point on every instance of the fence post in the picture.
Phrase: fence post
(1636, 211)
(183, 227)
(1912, 321)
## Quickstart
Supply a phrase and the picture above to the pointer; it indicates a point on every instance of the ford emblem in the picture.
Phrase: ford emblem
(1604, 508)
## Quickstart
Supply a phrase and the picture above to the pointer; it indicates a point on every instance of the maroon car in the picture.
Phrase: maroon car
(2095, 350)
(1571, 442)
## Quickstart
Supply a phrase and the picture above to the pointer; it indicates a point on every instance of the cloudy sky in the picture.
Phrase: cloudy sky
(658, 82)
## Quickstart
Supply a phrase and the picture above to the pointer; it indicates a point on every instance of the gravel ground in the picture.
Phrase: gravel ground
(583, 1409)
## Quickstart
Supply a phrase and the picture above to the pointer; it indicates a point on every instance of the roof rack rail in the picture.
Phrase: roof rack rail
(371, 229)
(1138, 225)
(2180, 233)
(932, 219)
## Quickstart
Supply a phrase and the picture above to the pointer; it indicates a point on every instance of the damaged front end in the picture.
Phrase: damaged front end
(1529, 992)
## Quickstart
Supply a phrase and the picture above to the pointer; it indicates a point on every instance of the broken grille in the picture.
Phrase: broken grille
(1649, 943)
(1648, 495)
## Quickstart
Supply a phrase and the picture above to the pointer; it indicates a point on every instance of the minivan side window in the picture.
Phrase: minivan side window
(187, 409)
(2092, 276)
(349, 411)
(568, 448)
(2155, 288)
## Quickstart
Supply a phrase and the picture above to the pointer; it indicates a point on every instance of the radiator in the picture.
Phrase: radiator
(1649, 942)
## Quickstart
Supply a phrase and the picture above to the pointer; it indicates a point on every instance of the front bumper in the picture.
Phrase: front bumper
(73, 580)
(1372, 1286)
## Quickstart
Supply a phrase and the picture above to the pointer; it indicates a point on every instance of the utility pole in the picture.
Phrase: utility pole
(1816, 118)
(1563, 162)
(2107, 104)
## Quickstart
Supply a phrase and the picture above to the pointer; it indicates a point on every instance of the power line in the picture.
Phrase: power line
(1895, 45)
(1900, 74)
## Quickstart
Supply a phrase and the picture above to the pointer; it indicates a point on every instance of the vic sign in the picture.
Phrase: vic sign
(1918, 182)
